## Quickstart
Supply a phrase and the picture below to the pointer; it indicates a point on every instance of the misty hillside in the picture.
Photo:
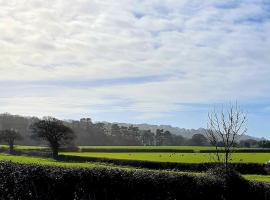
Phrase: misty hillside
(188, 133)
(105, 133)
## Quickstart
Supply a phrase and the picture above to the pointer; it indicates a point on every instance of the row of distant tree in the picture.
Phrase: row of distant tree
(89, 133)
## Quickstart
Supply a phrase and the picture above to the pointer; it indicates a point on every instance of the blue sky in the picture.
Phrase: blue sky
(159, 62)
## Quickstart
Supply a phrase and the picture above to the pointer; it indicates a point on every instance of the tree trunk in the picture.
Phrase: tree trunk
(11, 147)
(226, 160)
(55, 153)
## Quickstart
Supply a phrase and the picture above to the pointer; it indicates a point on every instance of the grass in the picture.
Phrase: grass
(176, 157)
(195, 148)
(23, 147)
(46, 161)
(51, 162)
(260, 178)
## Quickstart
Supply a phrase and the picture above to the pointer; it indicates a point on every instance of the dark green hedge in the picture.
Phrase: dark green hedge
(127, 150)
(131, 150)
(243, 168)
(27, 182)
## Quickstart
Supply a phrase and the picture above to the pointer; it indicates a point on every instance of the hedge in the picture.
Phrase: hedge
(243, 168)
(31, 182)
(131, 150)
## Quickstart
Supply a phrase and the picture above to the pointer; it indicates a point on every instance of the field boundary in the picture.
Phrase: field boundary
(25, 181)
(243, 168)
(131, 150)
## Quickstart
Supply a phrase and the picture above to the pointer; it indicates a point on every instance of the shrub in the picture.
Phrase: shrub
(22, 181)
(236, 187)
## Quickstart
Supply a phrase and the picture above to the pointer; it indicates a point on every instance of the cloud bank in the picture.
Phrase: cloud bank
(145, 59)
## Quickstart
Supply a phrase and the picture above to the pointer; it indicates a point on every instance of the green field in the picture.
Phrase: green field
(51, 162)
(147, 156)
(195, 148)
(150, 147)
(261, 178)
(21, 147)
(176, 157)
(45, 161)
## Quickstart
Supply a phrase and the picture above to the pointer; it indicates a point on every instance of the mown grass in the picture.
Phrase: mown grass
(260, 178)
(52, 162)
(24, 147)
(195, 148)
(46, 161)
(176, 157)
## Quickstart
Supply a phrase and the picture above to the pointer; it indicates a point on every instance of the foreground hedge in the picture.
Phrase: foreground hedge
(21, 181)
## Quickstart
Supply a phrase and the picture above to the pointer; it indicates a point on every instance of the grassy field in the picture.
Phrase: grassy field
(149, 147)
(46, 161)
(157, 157)
(21, 147)
(177, 157)
(51, 162)
(261, 178)
(195, 148)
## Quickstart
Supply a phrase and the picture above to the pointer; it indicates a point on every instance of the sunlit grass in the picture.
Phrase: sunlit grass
(46, 161)
(52, 162)
(24, 147)
(176, 157)
(261, 178)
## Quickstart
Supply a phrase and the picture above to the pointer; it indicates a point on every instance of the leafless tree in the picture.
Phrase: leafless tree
(224, 128)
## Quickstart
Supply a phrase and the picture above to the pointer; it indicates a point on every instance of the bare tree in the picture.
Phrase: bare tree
(10, 136)
(224, 128)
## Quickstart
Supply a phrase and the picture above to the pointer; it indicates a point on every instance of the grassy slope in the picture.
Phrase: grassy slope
(261, 178)
(51, 162)
(177, 157)
(45, 161)
(24, 147)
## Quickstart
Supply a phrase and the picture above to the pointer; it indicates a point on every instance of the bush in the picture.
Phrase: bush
(236, 187)
(22, 181)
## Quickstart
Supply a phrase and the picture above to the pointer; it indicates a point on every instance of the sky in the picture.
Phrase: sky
(137, 61)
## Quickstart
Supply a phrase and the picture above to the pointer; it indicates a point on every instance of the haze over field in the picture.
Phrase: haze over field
(135, 61)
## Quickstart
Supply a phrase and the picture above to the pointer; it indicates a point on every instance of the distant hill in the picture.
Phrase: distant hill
(187, 133)
(105, 133)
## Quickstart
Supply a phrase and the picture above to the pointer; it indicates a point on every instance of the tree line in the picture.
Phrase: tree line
(85, 132)
(89, 133)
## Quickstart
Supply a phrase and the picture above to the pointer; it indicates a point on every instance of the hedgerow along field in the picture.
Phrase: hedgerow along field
(155, 157)
(126, 178)
(21, 181)
(176, 157)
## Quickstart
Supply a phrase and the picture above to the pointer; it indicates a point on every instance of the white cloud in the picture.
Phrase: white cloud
(208, 52)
